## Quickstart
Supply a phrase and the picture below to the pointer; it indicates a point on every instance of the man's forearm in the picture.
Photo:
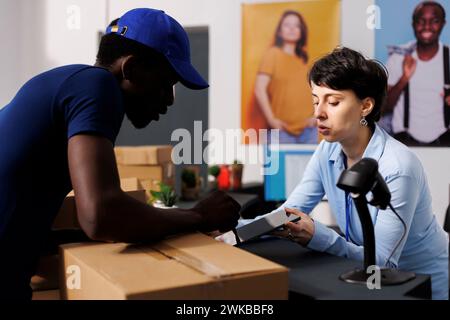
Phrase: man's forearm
(123, 218)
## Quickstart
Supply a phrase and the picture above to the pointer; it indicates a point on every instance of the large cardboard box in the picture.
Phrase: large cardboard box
(192, 266)
(67, 215)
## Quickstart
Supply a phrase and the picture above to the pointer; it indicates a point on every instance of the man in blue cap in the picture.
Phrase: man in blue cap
(58, 134)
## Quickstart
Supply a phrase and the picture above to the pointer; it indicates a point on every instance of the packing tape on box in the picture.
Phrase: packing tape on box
(206, 268)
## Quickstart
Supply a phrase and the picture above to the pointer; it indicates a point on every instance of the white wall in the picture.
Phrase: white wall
(9, 51)
(355, 33)
(59, 32)
(436, 162)
(44, 40)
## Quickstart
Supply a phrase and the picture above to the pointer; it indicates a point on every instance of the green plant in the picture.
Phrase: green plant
(189, 178)
(166, 195)
(214, 171)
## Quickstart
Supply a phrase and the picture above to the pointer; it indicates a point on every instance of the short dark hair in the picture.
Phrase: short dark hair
(113, 46)
(428, 3)
(347, 69)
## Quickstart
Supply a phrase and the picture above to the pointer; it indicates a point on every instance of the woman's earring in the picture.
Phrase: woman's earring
(363, 122)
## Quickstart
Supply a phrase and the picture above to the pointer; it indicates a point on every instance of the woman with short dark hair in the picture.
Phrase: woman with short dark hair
(348, 91)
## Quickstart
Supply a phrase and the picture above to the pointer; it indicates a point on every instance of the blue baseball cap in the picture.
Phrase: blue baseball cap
(159, 31)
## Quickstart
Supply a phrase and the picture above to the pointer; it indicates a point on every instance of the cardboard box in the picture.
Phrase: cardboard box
(46, 277)
(150, 164)
(143, 155)
(46, 295)
(67, 215)
(130, 185)
(192, 266)
(149, 174)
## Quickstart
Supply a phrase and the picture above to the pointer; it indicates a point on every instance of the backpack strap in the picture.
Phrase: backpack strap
(447, 83)
(406, 107)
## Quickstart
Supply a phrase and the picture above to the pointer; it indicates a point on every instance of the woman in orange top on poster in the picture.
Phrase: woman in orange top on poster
(281, 89)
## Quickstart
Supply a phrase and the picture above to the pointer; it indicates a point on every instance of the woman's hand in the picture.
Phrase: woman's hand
(275, 123)
(301, 231)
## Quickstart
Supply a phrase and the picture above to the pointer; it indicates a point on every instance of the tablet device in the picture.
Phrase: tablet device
(264, 224)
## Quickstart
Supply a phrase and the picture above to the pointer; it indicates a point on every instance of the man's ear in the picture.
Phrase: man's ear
(367, 106)
(128, 68)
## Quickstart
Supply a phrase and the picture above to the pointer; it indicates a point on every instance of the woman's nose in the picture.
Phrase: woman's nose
(319, 111)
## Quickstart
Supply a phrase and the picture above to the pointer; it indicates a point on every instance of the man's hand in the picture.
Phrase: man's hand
(409, 67)
(218, 212)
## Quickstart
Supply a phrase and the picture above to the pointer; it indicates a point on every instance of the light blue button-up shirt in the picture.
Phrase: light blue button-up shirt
(425, 247)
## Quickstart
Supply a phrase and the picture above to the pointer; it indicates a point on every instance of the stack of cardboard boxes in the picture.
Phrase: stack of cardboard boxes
(149, 164)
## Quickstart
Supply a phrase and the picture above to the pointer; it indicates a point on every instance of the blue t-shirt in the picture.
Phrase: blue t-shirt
(34, 176)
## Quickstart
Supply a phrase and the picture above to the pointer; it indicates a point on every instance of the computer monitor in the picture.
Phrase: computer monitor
(283, 169)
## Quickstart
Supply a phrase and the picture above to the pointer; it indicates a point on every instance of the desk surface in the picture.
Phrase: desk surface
(316, 275)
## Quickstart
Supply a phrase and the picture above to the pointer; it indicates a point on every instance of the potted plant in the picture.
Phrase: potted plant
(165, 198)
(236, 175)
(190, 187)
(213, 173)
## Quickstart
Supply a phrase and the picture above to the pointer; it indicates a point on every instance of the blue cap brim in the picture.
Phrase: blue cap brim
(189, 77)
